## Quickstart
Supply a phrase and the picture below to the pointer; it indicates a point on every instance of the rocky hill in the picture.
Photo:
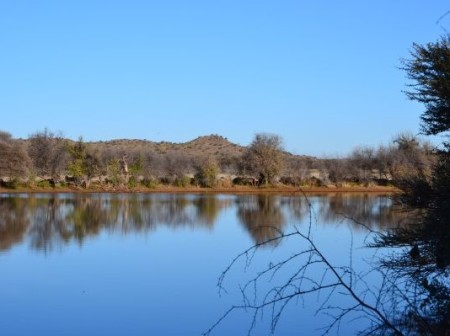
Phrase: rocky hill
(211, 145)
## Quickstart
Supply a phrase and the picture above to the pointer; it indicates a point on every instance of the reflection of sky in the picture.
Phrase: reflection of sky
(159, 282)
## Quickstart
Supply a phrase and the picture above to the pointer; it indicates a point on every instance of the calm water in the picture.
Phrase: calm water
(136, 264)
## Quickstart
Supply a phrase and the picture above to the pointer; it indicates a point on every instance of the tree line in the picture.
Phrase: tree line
(47, 159)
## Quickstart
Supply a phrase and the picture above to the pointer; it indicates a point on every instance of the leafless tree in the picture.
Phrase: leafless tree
(414, 157)
(14, 160)
(295, 170)
(176, 167)
(264, 157)
(362, 162)
(48, 153)
(336, 170)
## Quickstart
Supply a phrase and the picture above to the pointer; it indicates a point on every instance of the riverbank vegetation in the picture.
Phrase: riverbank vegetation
(48, 161)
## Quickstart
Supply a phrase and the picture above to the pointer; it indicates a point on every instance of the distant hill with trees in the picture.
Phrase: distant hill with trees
(47, 159)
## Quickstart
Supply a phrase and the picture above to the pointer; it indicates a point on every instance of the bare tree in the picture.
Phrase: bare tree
(14, 160)
(48, 153)
(336, 169)
(296, 170)
(411, 167)
(413, 157)
(264, 157)
(176, 168)
(361, 164)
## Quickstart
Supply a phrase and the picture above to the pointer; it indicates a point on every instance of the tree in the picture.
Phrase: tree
(264, 157)
(296, 170)
(337, 170)
(422, 270)
(48, 153)
(135, 169)
(176, 167)
(207, 171)
(361, 164)
(14, 160)
(429, 69)
(84, 164)
(77, 167)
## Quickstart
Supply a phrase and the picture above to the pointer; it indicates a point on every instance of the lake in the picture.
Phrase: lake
(149, 264)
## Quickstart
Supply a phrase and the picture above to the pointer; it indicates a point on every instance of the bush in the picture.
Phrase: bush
(245, 181)
(150, 182)
(289, 180)
(44, 184)
(182, 181)
(132, 182)
(206, 175)
(11, 184)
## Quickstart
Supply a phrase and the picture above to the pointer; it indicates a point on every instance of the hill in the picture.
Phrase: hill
(214, 146)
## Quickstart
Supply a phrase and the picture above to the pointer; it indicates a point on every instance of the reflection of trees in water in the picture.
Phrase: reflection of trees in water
(375, 211)
(412, 296)
(297, 207)
(208, 208)
(189, 211)
(13, 221)
(264, 216)
(87, 217)
(261, 215)
(58, 219)
(48, 224)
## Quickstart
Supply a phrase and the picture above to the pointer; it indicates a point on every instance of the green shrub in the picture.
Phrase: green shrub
(182, 181)
(150, 182)
(206, 175)
(132, 182)
(44, 184)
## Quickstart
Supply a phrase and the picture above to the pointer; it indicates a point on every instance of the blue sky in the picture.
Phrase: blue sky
(322, 74)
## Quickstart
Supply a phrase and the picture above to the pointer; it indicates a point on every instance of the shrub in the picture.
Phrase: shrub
(182, 181)
(150, 182)
(44, 184)
(207, 174)
(132, 182)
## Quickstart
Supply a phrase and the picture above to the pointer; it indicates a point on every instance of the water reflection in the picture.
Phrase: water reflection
(50, 221)
(261, 215)
(373, 212)
(13, 221)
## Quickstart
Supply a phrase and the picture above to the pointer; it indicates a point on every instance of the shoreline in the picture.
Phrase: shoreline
(199, 190)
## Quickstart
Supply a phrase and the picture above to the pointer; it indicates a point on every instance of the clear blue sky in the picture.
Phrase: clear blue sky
(322, 74)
